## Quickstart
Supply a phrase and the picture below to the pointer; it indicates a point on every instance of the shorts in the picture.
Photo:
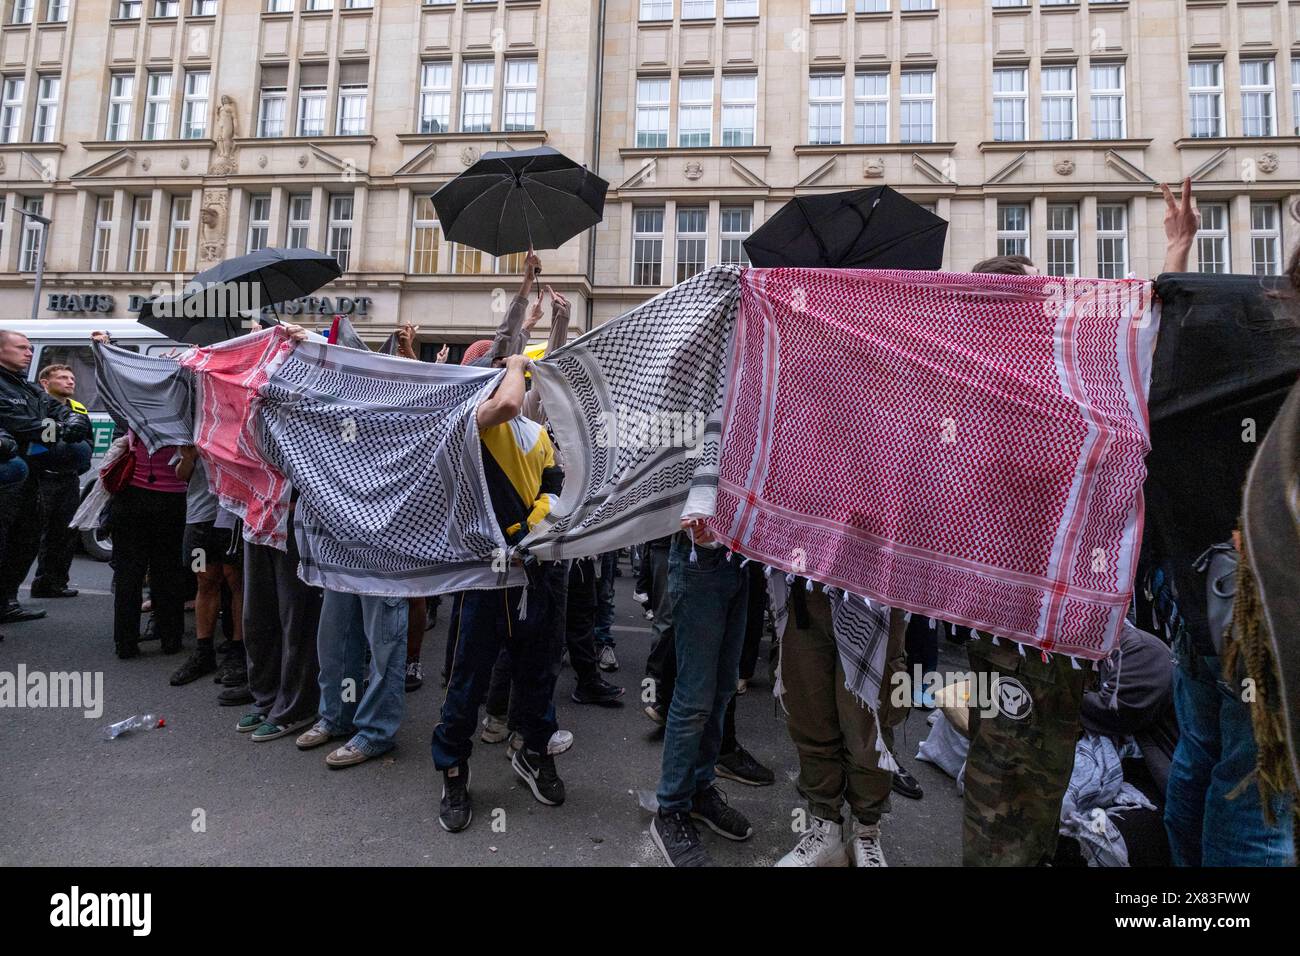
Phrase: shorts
(216, 546)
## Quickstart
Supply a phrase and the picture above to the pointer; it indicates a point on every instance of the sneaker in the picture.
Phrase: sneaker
(202, 662)
(319, 734)
(538, 771)
(230, 658)
(607, 661)
(711, 807)
(678, 840)
(640, 597)
(270, 731)
(235, 696)
(596, 691)
(455, 810)
(649, 614)
(740, 765)
(657, 712)
(820, 845)
(494, 730)
(560, 741)
(905, 785)
(742, 686)
(233, 673)
(346, 756)
(865, 845)
(414, 676)
(250, 722)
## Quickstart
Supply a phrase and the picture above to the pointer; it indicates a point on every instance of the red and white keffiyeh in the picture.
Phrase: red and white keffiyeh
(963, 446)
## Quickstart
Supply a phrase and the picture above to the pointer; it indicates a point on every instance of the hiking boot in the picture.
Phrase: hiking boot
(596, 691)
(905, 785)
(202, 662)
(711, 807)
(607, 660)
(865, 845)
(414, 676)
(821, 845)
(455, 811)
(538, 771)
(740, 765)
(678, 840)
(494, 730)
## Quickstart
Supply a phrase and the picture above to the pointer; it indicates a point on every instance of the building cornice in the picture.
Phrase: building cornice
(1042, 145)
(514, 136)
(366, 139)
(688, 151)
(106, 145)
(1192, 142)
(815, 149)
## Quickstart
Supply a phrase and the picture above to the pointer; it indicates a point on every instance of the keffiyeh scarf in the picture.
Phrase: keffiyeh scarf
(152, 394)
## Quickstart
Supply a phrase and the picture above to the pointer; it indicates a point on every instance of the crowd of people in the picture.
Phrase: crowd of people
(332, 668)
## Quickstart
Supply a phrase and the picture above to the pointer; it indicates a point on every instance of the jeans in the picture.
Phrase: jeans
(348, 622)
(709, 597)
(1215, 752)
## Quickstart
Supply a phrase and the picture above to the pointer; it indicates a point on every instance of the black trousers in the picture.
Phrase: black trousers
(20, 535)
(60, 496)
(147, 529)
(580, 620)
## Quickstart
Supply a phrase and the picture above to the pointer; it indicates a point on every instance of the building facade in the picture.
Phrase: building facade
(161, 136)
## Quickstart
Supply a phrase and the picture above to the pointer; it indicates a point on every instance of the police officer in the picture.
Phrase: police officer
(60, 492)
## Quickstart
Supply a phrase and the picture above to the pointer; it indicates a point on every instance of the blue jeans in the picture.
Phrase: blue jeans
(605, 599)
(1216, 751)
(348, 622)
(709, 609)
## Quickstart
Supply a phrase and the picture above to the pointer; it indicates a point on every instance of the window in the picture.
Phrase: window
(697, 10)
(340, 230)
(47, 109)
(203, 8)
(735, 227)
(917, 5)
(279, 6)
(259, 222)
(141, 212)
(740, 8)
(694, 111)
(271, 103)
(158, 106)
(352, 109)
(1107, 100)
(476, 96)
(1212, 238)
(4, 208)
(647, 246)
(435, 97)
(312, 93)
(916, 103)
(299, 220)
(1258, 117)
(358, 4)
(320, 4)
(128, 9)
(512, 264)
(871, 107)
(872, 6)
(1013, 229)
(692, 234)
(424, 237)
(1010, 104)
(826, 108)
(22, 11)
(827, 6)
(1205, 81)
(1062, 239)
(121, 91)
(739, 107)
(1265, 239)
(32, 231)
(1295, 93)
(1011, 3)
(103, 242)
(11, 109)
(652, 113)
(656, 9)
(56, 11)
(194, 111)
(466, 260)
(166, 8)
(1112, 240)
(519, 100)
(178, 236)
(1057, 83)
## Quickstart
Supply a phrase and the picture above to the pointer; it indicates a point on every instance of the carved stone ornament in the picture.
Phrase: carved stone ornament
(1267, 162)
(1064, 167)
(213, 219)
(302, 160)
(3, 166)
(224, 161)
(146, 163)
(468, 156)
(693, 170)
(185, 162)
(874, 168)
(261, 160)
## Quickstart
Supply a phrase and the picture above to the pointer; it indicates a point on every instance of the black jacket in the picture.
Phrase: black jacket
(8, 446)
(26, 411)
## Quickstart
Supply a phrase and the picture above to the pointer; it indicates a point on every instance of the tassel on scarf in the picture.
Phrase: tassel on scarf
(1074, 662)
(767, 570)
(523, 605)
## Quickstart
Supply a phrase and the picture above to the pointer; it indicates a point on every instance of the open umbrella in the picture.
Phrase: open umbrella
(873, 228)
(520, 199)
(218, 303)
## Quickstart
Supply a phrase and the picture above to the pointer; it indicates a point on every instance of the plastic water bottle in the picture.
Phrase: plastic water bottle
(137, 722)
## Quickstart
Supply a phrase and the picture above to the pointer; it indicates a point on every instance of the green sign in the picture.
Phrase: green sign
(103, 436)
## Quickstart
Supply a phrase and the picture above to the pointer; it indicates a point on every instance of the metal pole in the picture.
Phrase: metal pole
(40, 271)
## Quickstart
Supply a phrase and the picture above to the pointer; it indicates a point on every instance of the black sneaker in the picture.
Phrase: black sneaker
(538, 771)
(657, 712)
(905, 785)
(740, 766)
(202, 661)
(596, 691)
(230, 664)
(678, 840)
(711, 807)
(235, 696)
(455, 811)
(414, 676)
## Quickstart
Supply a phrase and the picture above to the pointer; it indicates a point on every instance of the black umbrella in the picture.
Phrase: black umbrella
(859, 229)
(219, 303)
(520, 199)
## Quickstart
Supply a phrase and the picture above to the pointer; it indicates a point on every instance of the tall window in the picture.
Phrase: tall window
(128, 9)
(694, 111)
(1010, 104)
(22, 12)
(56, 11)
(166, 8)
(178, 236)
(203, 8)
(652, 113)
(739, 107)
(312, 94)
(466, 260)
(476, 96)
(510, 265)
(194, 111)
(1295, 93)
(1057, 83)
(1212, 238)
(47, 109)
(259, 222)
(871, 107)
(141, 212)
(916, 105)
(11, 109)
(519, 99)
(31, 248)
(425, 236)
(827, 6)
(656, 9)
(692, 235)
(1205, 81)
(1107, 81)
(1265, 239)
(435, 97)
(121, 91)
(340, 230)
(299, 220)
(271, 103)
(1112, 240)
(697, 10)
(103, 242)
(352, 109)
(647, 245)
(734, 229)
(1013, 229)
(740, 8)
(1062, 239)
(320, 4)
(1258, 116)
(158, 106)
(826, 108)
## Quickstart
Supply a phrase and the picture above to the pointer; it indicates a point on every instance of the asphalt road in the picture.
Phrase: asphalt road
(197, 793)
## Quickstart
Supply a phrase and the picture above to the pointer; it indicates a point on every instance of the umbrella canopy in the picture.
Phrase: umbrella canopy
(218, 303)
(873, 228)
(519, 199)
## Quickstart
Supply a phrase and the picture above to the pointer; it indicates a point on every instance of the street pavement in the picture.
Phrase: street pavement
(195, 792)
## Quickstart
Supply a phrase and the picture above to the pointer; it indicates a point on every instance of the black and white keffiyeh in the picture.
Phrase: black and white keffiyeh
(152, 394)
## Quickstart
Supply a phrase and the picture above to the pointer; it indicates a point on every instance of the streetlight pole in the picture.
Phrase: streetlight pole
(40, 256)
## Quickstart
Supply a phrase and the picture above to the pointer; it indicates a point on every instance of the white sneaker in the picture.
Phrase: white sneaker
(560, 741)
(494, 730)
(865, 845)
(821, 845)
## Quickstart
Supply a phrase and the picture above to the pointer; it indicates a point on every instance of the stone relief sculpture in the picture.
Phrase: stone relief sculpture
(224, 161)
(212, 220)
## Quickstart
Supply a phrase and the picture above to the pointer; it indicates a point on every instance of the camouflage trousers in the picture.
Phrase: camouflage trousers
(1020, 760)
